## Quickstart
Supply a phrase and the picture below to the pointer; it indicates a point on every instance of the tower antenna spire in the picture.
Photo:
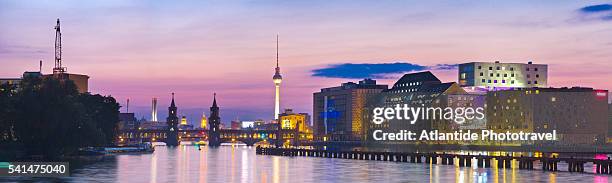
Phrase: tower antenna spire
(276, 50)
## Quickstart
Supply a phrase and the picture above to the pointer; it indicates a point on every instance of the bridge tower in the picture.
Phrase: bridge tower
(214, 134)
(172, 122)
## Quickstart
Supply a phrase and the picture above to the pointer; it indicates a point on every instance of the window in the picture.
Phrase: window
(483, 80)
(535, 82)
(491, 74)
(498, 68)
(494, 81)
(497, 74)
(481, 74)
(490, 68)
(463, 75)
(528, 82)
(505, 75)
(489, 81)
(535, 69)
(537, 75)
(512, 82)
(528, 76)
(479, 67)
(503, 81)
(511, 68)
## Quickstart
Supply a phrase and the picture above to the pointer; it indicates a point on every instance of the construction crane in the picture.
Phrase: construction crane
(58, 69)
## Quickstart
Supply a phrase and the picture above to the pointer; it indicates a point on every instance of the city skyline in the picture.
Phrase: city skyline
(228, 47)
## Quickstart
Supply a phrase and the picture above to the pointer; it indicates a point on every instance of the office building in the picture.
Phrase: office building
(247, 124)
(184, 120)
(291, 120)
(80, 81)
(609, 123)
(127, 121)
(235, 125)
(497, 75)
(154, 109)
(421, 89)
(579, 115)
(337, 111)
(203, 121)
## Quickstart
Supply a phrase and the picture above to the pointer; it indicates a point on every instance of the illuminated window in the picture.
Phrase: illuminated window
(552, 99)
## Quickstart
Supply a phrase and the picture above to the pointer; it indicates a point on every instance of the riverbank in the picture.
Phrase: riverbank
(602, 165)
(399, 147)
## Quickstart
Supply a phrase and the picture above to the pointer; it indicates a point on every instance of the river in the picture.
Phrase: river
(241, 164)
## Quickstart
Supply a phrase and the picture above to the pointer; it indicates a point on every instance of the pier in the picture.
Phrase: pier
(550, 164)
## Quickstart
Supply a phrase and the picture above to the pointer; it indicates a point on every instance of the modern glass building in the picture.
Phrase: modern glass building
(337, 111)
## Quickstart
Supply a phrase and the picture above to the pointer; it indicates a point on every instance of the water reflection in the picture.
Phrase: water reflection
(241, 164)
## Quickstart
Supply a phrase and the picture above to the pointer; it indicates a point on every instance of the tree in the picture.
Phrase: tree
(103, 113)
(48, 117)
(52, 119)
(7, 92)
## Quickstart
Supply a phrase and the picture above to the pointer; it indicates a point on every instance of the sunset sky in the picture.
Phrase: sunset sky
(145, 49)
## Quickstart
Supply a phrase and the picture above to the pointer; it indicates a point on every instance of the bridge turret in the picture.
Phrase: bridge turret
(214, 121)
(172, 122)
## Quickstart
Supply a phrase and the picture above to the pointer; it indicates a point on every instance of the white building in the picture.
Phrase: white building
(496, 75)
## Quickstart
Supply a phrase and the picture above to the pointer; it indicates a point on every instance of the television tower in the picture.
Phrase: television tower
(58, 69)
(277, 78)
